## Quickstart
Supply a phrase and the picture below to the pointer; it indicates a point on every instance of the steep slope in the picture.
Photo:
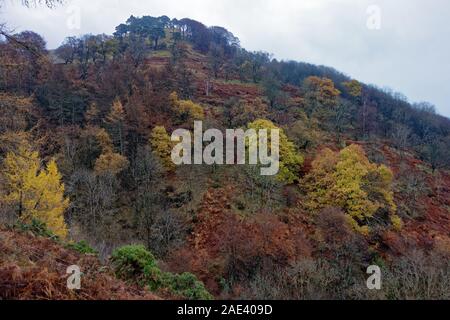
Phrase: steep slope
(34, 268)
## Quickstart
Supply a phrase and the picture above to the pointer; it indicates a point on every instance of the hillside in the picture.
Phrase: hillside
(85, 149)
(34, 268)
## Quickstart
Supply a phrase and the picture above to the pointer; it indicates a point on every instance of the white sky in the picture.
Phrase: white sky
(410, 53)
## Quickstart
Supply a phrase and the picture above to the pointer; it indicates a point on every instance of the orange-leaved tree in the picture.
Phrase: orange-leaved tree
(109, 161)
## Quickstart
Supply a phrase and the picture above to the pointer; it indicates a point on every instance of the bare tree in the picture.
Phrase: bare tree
(48, 3)
(28, 3)
(400, 136)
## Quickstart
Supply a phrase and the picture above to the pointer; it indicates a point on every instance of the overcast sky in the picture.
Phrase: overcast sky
(409, 52)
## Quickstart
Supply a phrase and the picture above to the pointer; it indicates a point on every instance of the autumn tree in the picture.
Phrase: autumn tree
(262, 193)
(272, 89)
(244, 71)
(23, 59)
(349, 181)
(91, 116)
(109, 162)
(305, 132)
(115, 121)
(186, 110)
(162, 147)
(35, 192)
(16, 113)
(354, 88)
(216, 59)
(238, 113)
(290, 160)
(321, 96)
(341, 118)
(63, 102)
(156, 222)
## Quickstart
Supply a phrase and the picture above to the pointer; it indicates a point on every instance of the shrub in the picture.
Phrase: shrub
(37, 228)
(187, 285)
(130, 262)
(82, 247)
(154, 278)
(135, 263)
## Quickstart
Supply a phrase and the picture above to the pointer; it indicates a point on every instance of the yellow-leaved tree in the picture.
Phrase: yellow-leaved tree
(348, 180)
(290, 160)
(35, 192)
(321, 92)
(162, 147)
(354, 88)
(186, 110)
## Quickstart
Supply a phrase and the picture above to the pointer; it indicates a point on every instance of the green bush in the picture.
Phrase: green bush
(129, 262)
(187, 285)
(154, 277)
(135, 263)
(37, 228)
(82, 247)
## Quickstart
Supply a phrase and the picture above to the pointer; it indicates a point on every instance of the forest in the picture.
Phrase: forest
(86, 172)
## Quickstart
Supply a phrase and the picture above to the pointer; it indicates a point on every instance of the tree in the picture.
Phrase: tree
(436, 151)
(36, 193)
(157, 224)
(162, 147)
(354, 88)
(349, 181)
(197, 33)
(272, 89)
(245, 71)
(62, 101)
(341, 117)
(290, 160)
(321, 96)
(23, 59)
(305, 132)
(216, 59)
(400, 136)
(115, 120)
(239, 113)
(91, 116)
(68, 50)
(186, 110)
(48, 3)
(16, 113)
(145, 28)
(109, 162)
(93, 200)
